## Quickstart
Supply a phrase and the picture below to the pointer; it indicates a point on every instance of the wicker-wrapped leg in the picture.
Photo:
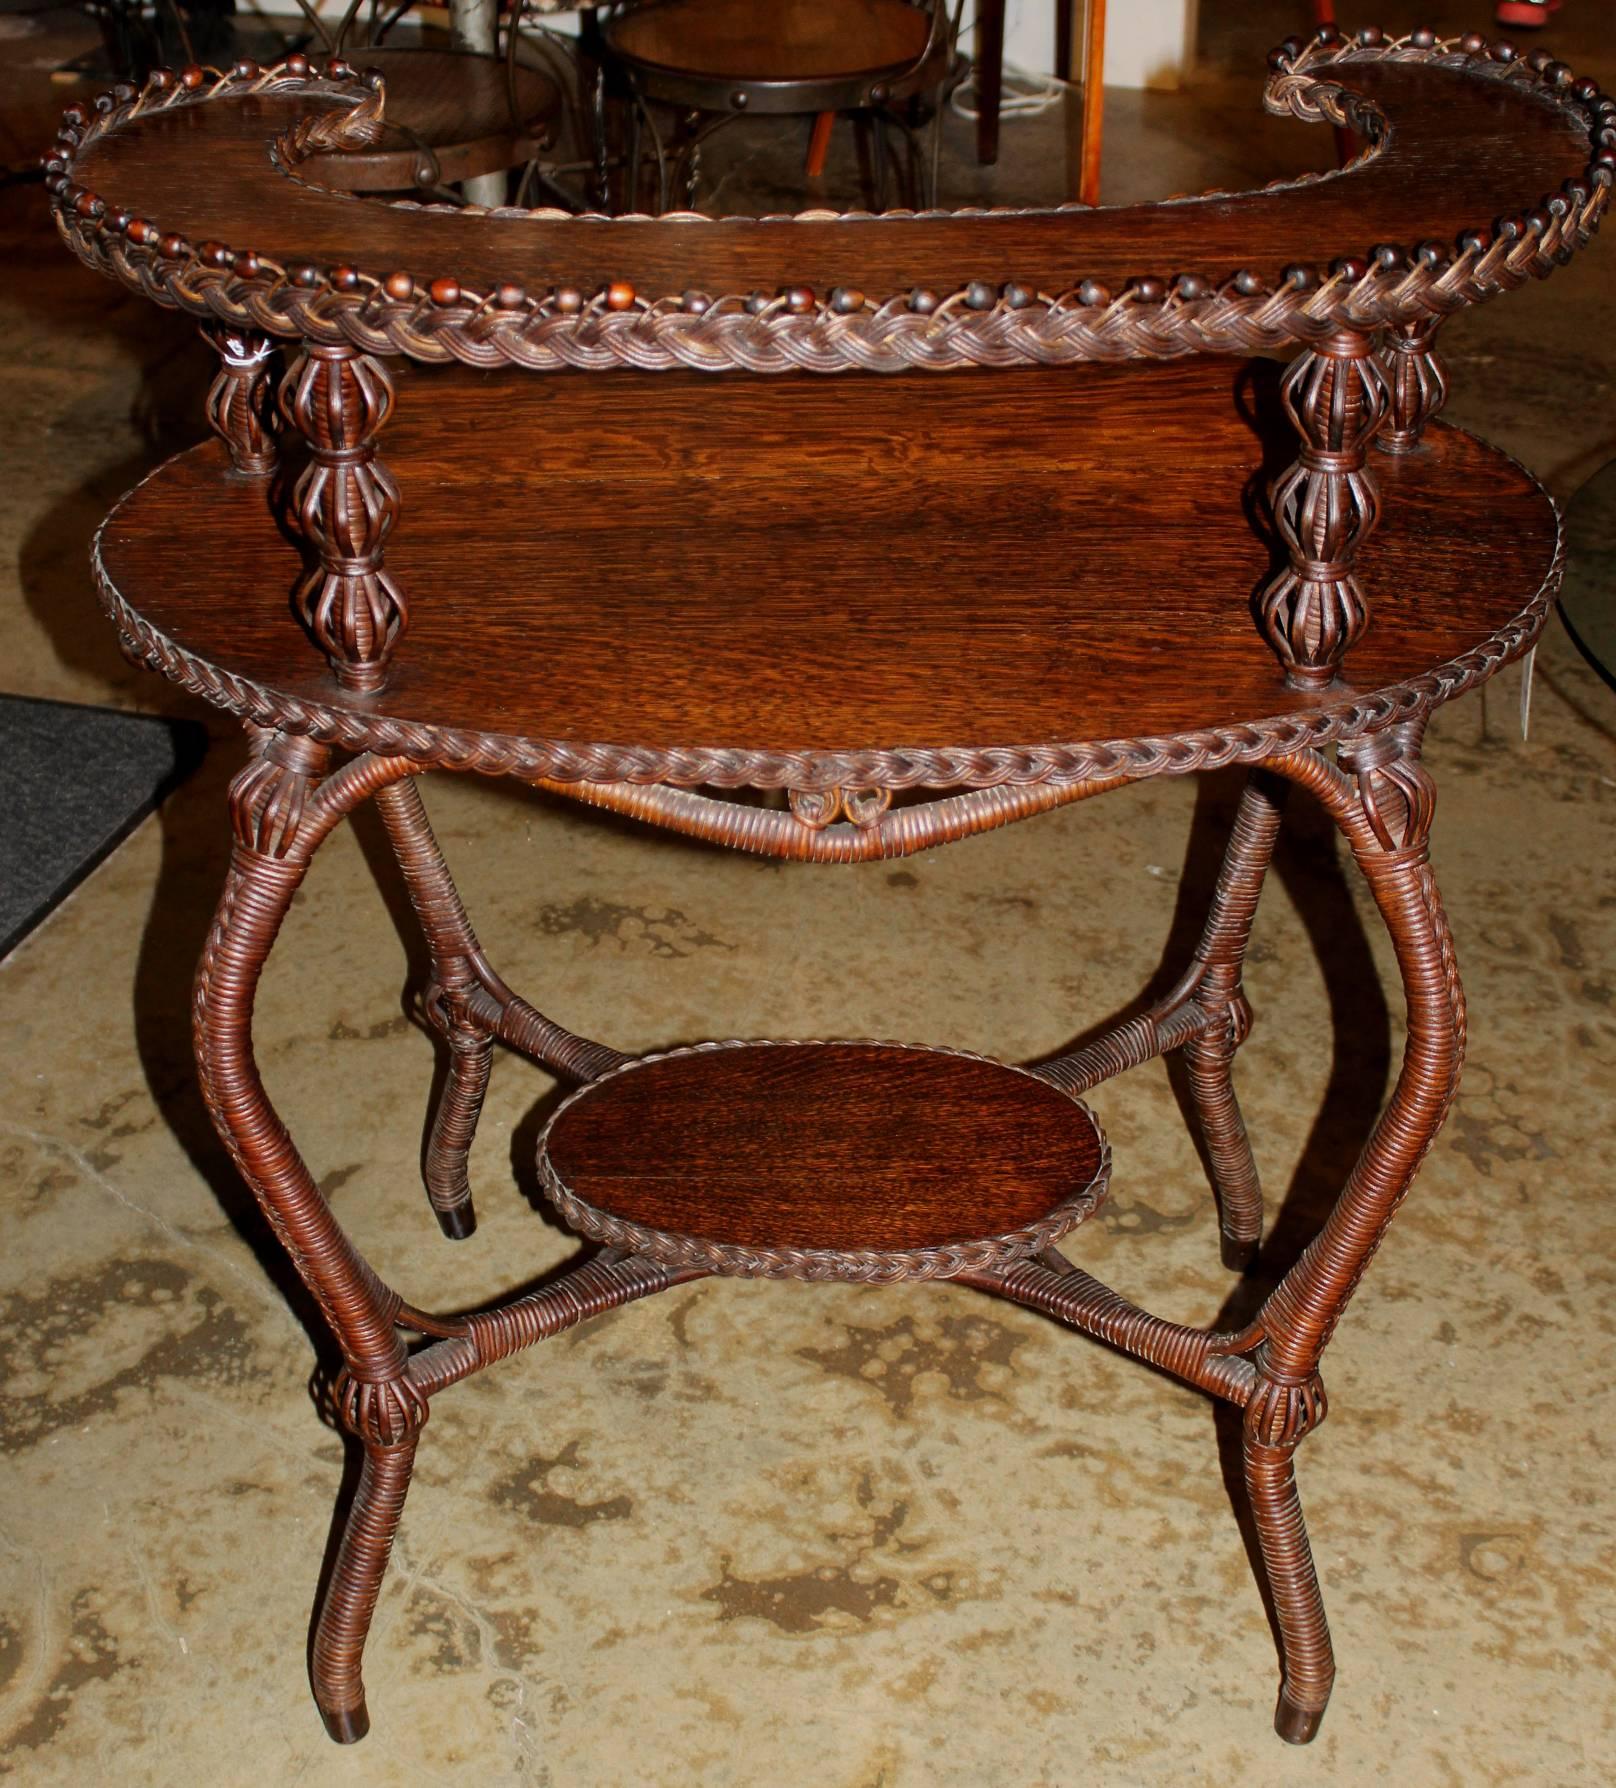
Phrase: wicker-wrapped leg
(454, 1126)
(1276, 1419)
(350, 1597)
(1210, 1056)
(452, 946)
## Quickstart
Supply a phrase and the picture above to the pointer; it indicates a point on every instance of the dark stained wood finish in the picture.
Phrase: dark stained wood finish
(801, 563)
(825, 1146)
(455, 104)
(1463, 151)
(796, 574)
(786, 40)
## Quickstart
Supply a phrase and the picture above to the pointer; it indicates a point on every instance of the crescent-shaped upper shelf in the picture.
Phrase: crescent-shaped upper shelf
(1479, 171)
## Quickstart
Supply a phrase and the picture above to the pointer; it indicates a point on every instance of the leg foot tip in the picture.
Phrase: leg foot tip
(1297, 1725)
(1238, 1255)
(458, 1223)
(347, 1725)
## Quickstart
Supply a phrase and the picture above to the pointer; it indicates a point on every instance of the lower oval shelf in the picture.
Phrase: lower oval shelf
(824, 1160)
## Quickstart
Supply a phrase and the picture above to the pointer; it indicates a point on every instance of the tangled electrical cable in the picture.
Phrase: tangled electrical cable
(1025, 94)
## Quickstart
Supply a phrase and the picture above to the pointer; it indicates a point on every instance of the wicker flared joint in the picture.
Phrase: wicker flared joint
(1418, 384)
(1325, 507)
(241, 401)
(346, 504)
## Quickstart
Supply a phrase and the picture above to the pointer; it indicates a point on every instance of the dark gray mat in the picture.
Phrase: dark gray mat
(74, 783)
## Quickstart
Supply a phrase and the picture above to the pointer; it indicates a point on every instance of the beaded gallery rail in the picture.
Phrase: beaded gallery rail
(981, 322)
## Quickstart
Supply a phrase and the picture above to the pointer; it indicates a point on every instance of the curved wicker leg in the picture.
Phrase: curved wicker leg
(453, 948)
(1276, 1418)
(454, 1127)
(350, 1598)
(1210, 1055)
(1384, 809)
(1309, 1663)
(469, 1006)
(280, 815)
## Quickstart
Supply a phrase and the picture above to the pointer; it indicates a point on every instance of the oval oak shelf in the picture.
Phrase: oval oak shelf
(783, 585)
(865, 1161)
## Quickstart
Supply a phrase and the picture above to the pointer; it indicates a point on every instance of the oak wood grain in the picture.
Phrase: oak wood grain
(814, 564)
(839, 1146)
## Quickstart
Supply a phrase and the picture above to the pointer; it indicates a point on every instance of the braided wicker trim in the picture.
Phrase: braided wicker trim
(962, 766)
(976, 325)
(867, 1266)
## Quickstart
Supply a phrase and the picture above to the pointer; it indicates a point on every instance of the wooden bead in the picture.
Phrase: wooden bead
(799, 300)
(444, 291)
(1093, 294)
(345, 279)
(845, 300)
(619, 295)
(247, 264)
(979, 295)
(191, 78)
(509, 296)
(173, 248)
(297, 64)
(399, 287)
(923, 301)
(695, 303)
(569, 301)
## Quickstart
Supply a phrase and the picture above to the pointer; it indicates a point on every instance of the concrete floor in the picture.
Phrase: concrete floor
(746, 1533)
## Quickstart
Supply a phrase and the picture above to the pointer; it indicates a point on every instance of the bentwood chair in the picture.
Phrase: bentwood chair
(708, 63)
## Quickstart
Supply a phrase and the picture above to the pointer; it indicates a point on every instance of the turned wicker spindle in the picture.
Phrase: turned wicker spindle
(346, 504)
(241, 400)
(1418, 384)
(1325, 507)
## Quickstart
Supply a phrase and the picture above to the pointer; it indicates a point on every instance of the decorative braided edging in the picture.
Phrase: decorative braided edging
(383, 312)
(866, 1266)
(563, 761)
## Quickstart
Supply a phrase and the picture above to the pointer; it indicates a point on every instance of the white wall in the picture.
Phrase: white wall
(1148, 43)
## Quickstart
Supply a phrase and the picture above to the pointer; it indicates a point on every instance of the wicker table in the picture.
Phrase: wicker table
(913, 608)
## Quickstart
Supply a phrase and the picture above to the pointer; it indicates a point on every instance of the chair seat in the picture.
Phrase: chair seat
(824, 1160)
(794, 40)
(454, 104)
